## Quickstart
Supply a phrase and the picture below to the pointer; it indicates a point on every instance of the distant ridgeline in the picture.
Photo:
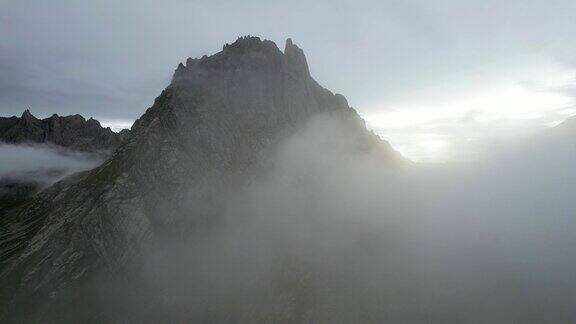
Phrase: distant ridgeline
(73, 132)
(66, 133)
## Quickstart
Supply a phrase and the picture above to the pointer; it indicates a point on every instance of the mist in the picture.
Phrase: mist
(326, 234)
(42, 163)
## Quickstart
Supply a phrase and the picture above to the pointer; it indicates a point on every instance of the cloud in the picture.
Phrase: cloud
(389, 52)
(468, 127)
(117, 124)
(330, 235)
(41, 163)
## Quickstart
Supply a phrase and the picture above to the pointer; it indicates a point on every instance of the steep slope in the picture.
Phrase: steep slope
(73, 132)
(208, 133)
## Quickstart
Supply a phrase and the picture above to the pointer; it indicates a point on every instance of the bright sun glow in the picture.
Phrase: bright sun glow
(456, 130)
(118, 124)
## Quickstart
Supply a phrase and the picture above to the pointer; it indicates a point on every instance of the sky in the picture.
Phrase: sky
(441, 80)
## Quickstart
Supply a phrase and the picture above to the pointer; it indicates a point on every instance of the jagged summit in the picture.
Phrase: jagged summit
(27, 115)
(73, 132)
(251, 44)
(250, 52)
(296, 58)
(245, 52)
(257, 64)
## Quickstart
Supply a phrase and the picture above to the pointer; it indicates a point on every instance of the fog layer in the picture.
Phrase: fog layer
(42, 162)
(329, 235)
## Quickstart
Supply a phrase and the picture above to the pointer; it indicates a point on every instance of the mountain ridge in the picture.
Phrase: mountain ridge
(73, 132)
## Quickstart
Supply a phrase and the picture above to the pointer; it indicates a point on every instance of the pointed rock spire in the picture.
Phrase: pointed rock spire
(295, 58)
(27, 115)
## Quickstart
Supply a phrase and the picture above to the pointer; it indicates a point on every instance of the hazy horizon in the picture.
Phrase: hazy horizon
(439, 80)
(251, 191)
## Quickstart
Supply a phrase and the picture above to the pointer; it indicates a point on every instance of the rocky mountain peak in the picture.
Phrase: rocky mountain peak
(251, 87)
(246, 52)
(207, 135)
(27, 114)
(251, 44)
(295, 58)
(249, 52)
(27, 117)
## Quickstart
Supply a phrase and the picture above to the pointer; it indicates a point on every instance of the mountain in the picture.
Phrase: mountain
(556, 143)
(73, 132)
(568, 126)
(69, 139)
(207, 135)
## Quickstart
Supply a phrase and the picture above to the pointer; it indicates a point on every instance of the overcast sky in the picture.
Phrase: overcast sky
(439, 79)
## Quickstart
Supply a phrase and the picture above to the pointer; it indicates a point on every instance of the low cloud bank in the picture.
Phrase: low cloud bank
(329, 235)
(41, 162)
(325, 234)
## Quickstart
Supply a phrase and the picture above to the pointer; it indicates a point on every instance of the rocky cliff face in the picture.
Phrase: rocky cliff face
(73, 132)
(205, 136)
